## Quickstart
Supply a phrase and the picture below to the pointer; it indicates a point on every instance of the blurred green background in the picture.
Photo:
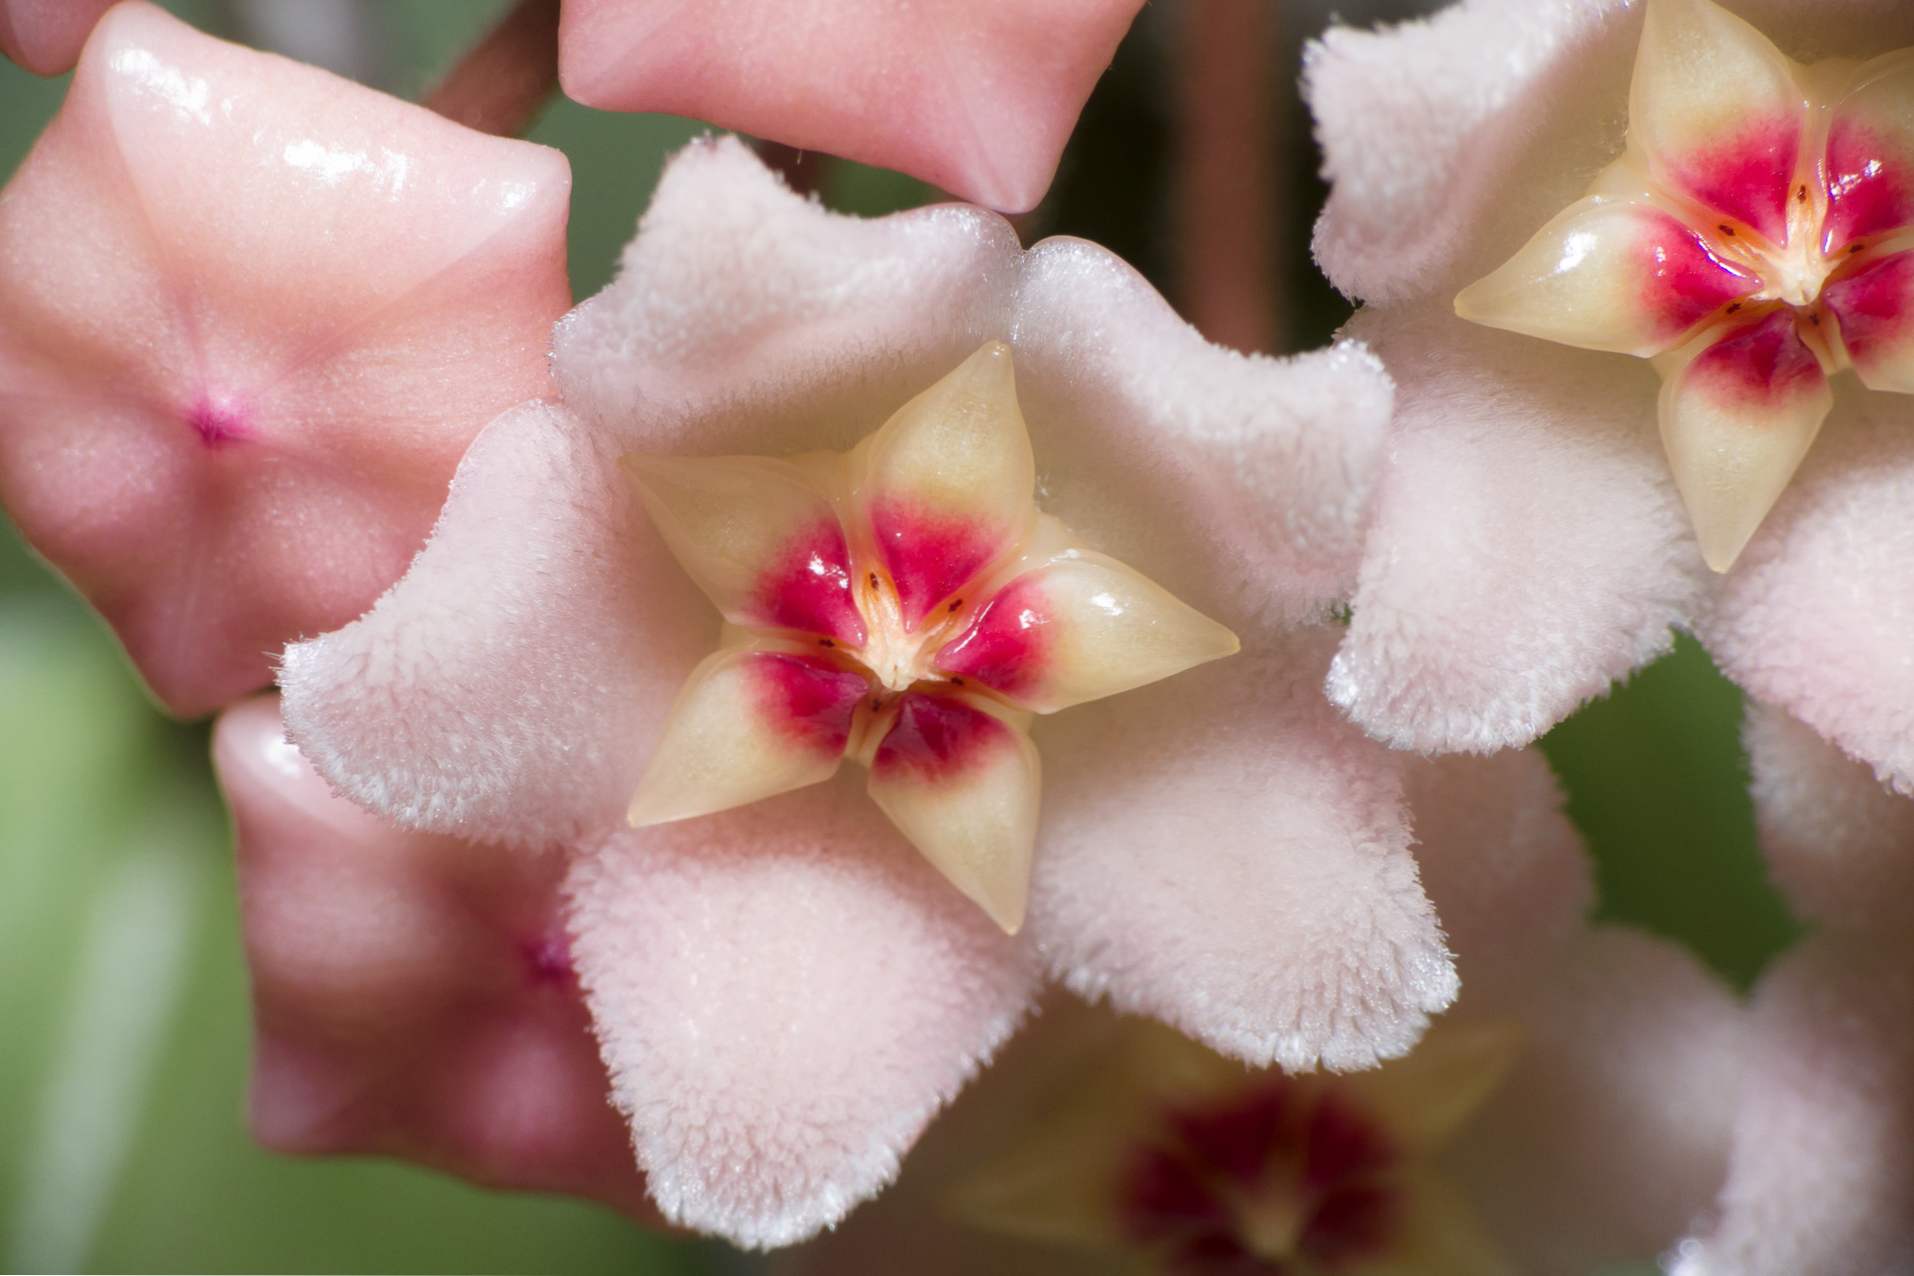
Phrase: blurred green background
(122, 992)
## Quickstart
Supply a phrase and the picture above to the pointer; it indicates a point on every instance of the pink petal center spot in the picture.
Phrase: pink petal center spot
(811, 700)
(218, 420)
(1683, 282)
(548, 960)
(929, 556)
(1871, 304)
(1868, 186)
(1762, 363)
(810, 587)
(1749, 176)
(1007, 645)
(937, 737)
(1255, 1179)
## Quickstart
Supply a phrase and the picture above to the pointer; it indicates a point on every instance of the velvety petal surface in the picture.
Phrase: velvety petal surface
(1178, 456)
(1507, 872)
(1528, 547)
(1821, 1177)
(1222, 853)
(748, 320)
(413, 996)
(45, 36)
(1611, 1135)
(250, 316)
(1424, 126)
(1838, 842)
(511, 686)
(1816, 617)
(976, 98)
(785, 994)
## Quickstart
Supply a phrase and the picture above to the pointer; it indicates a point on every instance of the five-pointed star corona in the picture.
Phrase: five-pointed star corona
(1755, 238)
(907, 605)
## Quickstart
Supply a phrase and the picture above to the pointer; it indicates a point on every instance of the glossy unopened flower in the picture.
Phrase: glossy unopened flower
(412, 996)
(1689, 188)
(974, 97)
(1572, 1111)
(251, 315)
(1821, 1178)
(785, 992)
(45, 36)
(906, 605)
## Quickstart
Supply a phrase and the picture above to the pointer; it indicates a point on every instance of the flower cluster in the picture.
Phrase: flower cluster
(1142, 646)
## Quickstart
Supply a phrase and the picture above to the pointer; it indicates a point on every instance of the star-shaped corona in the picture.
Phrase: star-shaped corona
(1755, 238)
(1173, 1159)
(905, 605)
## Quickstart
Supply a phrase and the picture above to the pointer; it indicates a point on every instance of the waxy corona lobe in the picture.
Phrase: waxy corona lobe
(1756, 237)
(903, 604)
(1172, 1158)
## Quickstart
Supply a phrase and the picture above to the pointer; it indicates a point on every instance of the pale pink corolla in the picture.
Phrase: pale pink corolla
(1530, 543)
(976, 98)
(786, 992)
(251, 315)
(1571, 1112)
(1821, 1175)
(45, 36)
(412, 996)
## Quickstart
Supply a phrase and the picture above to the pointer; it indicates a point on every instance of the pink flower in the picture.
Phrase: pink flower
(785, 992)
(1530, 544)
(1572, 1111)
(1821, 1177)
(975, 98)
(250, 317)
(45, 36)
(413, 995)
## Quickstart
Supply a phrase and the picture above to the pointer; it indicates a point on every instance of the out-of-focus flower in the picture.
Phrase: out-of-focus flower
(251, 315)
(45, 36)
(1821, 1177)
(1529, 546)
(785, 992)
(1572, 1111)
(975, 98)
(413, 996)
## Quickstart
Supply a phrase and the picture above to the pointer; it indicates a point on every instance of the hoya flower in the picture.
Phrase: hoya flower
(412, 997)
(1572, 1111)
(251, 315)
(904, 604)
(975, 98)
(1821, 1177)
(1724, 199)
(785, 991)
(45, 36)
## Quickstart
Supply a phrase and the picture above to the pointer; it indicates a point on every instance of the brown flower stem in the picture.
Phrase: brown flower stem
(504, 80)
(1224, 190)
